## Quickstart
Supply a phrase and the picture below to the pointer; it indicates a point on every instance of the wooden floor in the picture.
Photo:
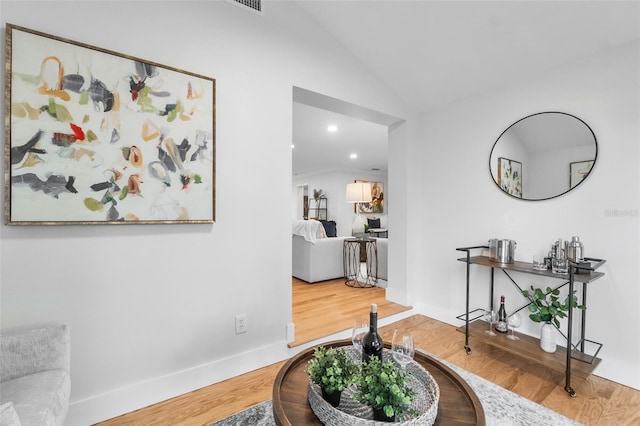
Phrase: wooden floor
(599, 401)
(336, 300)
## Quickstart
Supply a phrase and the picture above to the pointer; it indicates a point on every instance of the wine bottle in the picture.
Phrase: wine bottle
(501, 325)
(372, 342)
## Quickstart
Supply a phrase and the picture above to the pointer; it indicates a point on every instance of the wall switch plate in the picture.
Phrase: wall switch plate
(242, 324)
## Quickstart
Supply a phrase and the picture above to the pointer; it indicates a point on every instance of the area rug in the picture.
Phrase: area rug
(501, 406)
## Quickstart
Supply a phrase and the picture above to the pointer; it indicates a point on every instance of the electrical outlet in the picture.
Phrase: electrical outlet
(242, 324)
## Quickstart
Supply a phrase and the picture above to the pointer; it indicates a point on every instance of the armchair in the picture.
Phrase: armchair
(35, 384)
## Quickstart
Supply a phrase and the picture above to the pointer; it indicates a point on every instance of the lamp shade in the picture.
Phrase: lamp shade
(359, 192)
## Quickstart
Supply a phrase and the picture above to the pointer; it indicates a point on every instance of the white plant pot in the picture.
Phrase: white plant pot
(547, 338)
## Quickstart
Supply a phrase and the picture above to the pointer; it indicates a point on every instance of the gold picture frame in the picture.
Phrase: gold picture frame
(510, 176)
(98, 137)
(578, 171)
(377, 199)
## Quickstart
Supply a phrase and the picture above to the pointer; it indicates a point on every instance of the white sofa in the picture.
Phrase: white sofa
(324, 260)
(317, 262)
(35, 384)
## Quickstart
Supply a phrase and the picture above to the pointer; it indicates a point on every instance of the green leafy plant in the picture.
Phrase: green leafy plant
(331, 369)
(384, 386)
(545, 306)
(317, 194)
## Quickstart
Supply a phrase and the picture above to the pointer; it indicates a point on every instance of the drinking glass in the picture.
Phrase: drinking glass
(490, 317)
(539, 262)
(360, 328)
(402, 347)
(560, 266)
(514, 321)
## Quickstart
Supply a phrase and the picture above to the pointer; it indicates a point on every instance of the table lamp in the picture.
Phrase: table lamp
(358, 192)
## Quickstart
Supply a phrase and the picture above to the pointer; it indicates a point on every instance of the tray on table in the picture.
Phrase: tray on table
(352, 412)
(458, 402)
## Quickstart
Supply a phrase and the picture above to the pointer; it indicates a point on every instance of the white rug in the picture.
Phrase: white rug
(501, 406)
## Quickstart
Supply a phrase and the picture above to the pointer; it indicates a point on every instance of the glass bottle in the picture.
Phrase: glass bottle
(372, 344)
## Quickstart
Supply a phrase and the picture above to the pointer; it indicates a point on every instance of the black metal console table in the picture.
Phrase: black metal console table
(576, 352)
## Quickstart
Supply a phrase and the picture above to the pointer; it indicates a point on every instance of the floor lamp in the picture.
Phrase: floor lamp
(358, 192)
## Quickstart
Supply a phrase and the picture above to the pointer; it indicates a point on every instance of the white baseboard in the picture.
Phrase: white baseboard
(444, 315)
(139, 395)
(143, 394)
(397, 296)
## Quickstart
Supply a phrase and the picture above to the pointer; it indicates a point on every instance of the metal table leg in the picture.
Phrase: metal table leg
(567, 386)
(466, 331)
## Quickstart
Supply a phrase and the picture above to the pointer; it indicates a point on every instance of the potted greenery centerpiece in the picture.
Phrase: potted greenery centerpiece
(333, 371)
(384, 387)
(546, 307)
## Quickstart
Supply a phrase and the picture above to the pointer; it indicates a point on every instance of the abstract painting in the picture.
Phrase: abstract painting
(98, 137)
(578, 171)
(510, 176)
(377, 199)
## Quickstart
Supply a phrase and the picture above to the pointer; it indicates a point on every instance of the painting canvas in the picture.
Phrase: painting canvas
(510, 176)
(578, 171)
(98, 137)
(377, 199)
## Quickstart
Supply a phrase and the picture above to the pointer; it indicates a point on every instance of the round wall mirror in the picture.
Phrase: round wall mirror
(543, 156)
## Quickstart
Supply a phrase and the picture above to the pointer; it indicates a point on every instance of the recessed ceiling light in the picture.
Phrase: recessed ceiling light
(292, 146)
(354, 155)
(332, 128)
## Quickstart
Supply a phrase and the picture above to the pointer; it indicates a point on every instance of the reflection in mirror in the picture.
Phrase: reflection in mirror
(543, 156)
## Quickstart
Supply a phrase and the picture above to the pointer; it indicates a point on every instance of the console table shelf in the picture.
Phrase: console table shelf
(528, 347)
(528, 268)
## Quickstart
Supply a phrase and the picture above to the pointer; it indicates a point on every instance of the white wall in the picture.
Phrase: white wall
(334, 184)
(151, 308)
(604, 211)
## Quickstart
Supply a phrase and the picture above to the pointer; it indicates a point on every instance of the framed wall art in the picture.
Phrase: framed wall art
(98, 137)
(578, 171)
(377, 199)
(510, 176)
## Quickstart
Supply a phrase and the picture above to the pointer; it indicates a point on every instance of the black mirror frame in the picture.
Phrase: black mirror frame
(595, 141)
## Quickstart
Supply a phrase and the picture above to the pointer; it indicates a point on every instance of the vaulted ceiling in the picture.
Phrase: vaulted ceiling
(432, 53)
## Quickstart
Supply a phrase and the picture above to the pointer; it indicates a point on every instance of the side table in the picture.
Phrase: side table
(353, 274)
(377, 232)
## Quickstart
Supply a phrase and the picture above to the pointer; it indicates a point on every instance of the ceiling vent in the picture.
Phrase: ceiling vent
(254, 6)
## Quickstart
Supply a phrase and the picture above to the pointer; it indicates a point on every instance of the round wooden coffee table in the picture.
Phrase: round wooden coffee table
(459, 405)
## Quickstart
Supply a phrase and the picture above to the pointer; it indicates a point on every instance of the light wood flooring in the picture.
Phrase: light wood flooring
(599, 401)
(336, 302)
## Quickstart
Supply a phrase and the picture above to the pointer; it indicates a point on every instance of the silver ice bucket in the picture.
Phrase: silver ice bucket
(502, 251)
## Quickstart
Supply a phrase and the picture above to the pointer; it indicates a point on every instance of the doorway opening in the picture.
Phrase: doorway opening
(338, 209)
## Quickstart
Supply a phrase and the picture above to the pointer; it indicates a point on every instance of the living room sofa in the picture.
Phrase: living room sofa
(35, 384)
(324, 260)
(319, 261)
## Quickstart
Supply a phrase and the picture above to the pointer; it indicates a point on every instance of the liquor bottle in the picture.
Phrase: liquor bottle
(501, 325)
(372, 342)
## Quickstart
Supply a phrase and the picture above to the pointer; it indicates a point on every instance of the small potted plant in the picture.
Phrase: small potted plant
(384, 387)
(545, 307)
(333, 371)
